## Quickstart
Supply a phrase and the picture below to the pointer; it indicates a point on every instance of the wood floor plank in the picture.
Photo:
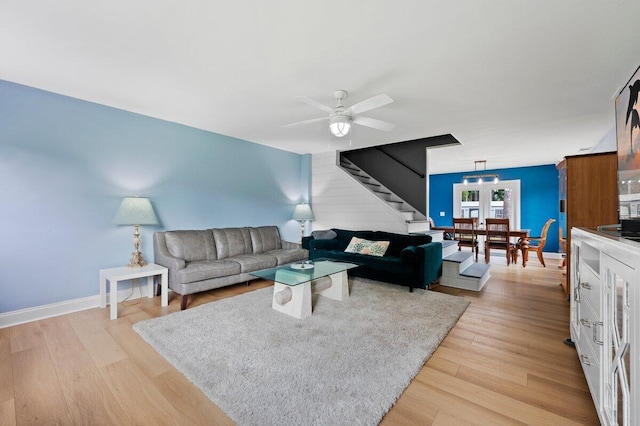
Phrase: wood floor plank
(6, 370)
(133, 390)
(515, 374)
(104, 350)
(412, 409)
(492, 400)
(88, 397)
(38, 395)
(145, 357)
(60, 337)
(517, 362)
(189, 400)
(8, 412)
(447, 419)
(464, 409)
(26, 336)
(564, 401)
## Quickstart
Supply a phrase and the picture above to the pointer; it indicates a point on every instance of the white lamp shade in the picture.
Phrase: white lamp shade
(339, 125)
(302, 212)
(340, 129)
(135, 211)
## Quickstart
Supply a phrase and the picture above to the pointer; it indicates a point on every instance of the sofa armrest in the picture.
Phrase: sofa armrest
(162, 256)
(306, 241)
(430, 262)
(408, 255)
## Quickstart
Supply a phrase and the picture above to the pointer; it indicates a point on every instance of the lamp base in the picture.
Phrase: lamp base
(137, 261)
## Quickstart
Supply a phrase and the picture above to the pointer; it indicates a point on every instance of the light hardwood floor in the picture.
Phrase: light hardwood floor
(503, 363)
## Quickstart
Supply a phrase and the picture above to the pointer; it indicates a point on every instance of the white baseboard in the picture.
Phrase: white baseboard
(22, 316)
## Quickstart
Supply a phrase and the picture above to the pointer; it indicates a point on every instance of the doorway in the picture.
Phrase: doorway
(495, 200)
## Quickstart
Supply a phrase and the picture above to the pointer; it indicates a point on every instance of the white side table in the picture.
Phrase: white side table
(113, 275)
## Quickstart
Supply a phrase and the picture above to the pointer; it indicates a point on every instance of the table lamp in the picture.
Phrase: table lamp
(302, 213)
(135, 211)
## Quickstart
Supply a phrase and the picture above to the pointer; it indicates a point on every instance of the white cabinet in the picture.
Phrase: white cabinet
(605, 321)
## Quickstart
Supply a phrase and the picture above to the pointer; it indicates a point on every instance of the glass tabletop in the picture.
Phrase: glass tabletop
(300, 273)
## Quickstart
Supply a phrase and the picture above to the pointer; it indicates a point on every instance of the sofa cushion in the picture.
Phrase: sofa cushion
(326, 234)
(285, 256)
(265, 238)
(232, 242)
(191, 245)
(254, 262)
(344, 237)
(371, 248)
(397, 242)
(206, 270)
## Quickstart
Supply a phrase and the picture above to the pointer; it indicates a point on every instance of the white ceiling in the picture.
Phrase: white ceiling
(516, 82)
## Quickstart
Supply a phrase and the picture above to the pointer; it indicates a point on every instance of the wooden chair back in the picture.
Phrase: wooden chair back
(563, 248)
(498, 237)
(465, 232)
(542, 240)
(537, 243)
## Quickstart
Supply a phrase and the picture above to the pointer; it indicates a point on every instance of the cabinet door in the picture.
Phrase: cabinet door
(619, 347)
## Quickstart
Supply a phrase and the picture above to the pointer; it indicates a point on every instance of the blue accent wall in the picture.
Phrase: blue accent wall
(539, 198)
(65, 165)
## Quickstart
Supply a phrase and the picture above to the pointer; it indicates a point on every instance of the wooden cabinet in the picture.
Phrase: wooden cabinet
(605, 321)
(588, 188)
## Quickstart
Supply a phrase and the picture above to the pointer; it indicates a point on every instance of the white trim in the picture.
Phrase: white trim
(9, 319)
(484, 189)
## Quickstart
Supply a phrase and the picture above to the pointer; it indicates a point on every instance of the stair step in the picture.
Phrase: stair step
(477, 270)
(372, 184)
(468, 275)
(349, 167)
(408, 216)
(458, 257)
(448, 247)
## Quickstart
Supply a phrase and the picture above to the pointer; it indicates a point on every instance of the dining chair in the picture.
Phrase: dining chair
(498, 238)
(465, 232)
(537, 243)
(563, 248)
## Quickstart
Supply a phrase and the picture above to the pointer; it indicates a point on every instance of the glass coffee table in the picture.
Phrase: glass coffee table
(293, 284)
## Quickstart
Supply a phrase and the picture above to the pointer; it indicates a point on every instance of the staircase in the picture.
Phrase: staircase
(460, 271)
(416, 221)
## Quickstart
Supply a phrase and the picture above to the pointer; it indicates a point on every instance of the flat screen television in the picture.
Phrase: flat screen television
(628, 143)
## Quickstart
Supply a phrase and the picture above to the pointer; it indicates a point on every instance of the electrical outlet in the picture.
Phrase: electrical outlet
(442, 214)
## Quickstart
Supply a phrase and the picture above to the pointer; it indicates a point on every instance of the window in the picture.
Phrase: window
(497, 200)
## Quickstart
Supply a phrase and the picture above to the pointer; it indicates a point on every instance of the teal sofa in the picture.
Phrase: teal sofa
(411, 260)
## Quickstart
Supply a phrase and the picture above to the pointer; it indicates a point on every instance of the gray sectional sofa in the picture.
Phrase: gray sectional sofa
(200, 260)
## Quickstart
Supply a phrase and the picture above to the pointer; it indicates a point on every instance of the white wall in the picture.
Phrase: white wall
(338, 201)
(607, 143)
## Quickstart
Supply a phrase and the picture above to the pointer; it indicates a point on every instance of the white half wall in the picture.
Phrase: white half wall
(340, 202)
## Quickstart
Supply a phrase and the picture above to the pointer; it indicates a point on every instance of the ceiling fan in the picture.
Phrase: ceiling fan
(341, 118)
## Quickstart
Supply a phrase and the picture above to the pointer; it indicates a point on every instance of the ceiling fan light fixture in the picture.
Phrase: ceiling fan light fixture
(339, 125)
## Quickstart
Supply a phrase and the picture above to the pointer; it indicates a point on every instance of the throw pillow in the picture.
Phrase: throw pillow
(362, 246)
(328, 234)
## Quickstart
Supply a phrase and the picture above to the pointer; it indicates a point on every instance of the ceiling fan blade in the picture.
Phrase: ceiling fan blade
(316, 104)
(313, 120)
(371, 103)
(374, 123)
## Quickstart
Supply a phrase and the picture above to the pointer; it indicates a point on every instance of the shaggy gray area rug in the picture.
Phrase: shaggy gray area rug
(347, 364)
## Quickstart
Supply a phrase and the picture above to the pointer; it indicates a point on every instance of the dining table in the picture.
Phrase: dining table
(521, 234)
